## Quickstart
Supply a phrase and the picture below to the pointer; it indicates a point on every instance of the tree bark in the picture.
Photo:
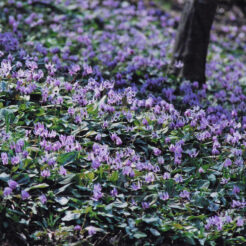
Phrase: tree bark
(192, 40)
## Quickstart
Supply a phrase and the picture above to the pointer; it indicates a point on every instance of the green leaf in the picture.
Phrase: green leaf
(198, 217)
(189, 169)
(203, 184)
(155, 232)
(139, 235)
(90, 176)
(212, 178)
(39, 186)
(63, 188)
(70, 215)
(67, 158)
(68, 179)
(4, 177)
(190, 241)
(3, 86)
(178, 226)
(62, 200)
(150, 220)
(114, 176)
(120, 204)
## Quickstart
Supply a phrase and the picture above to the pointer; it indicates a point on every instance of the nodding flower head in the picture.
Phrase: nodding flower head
(12, 184)
(24, 195)
(7, 191)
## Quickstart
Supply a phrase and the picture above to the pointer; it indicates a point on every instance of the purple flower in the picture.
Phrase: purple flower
(105, 124)
(236, 189)
(149, 102)
(166, 175)
(240, 222)
(4, 158)
(179, 64)
(15, 160)
(87, 69)
(43, 199)
(116, 139)
(45, 173)
(12, 184)
(133, 202)
(128, 171)
(62, 171)
(5, 68)
(224, 181)
(24, 195)
(96, 164)
(97, 194)
(214, 221)
(160, 160)
(192, 153)
(185, 194)
(114, 192)
(156, 151)
(228, 219)
(145, 205)
(238, 204)
(178, 178)
(91, 230)
(98, 137)
(167, 140)
(71, 111)
(145, 122)
(227, 162)
(7, 191)
(239, 162)
(201, 170)
(136, 186)
(149, 178)
(164, 196)
(77, 228)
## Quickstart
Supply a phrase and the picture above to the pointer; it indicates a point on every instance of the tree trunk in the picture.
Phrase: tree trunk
(192, 40)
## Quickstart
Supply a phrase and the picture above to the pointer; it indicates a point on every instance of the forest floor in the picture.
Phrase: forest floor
(99, 145)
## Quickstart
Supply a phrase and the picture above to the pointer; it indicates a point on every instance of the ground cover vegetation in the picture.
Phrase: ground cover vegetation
(99, 145)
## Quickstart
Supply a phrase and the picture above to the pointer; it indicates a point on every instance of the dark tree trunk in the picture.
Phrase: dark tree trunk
(192, 40)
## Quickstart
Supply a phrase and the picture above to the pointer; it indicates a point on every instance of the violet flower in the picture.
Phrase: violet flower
(166, 175)
(15, 160)
(77, 228)
(164, 196)
(91, 230)
(185, 194)
(7, 191)
(97, 194)
(4, 158)
(24, 195)
(240, 222)
(43, 199)
(12, 184)
(45, 173)
(235, 190)
(145, 205)
(114, 192)
(62, 171)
